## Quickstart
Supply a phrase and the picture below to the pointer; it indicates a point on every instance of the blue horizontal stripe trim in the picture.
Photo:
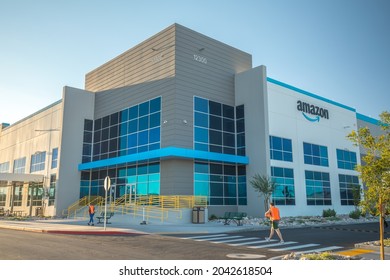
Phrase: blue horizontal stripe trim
(310, 94)
(165, 153)
(367, 119)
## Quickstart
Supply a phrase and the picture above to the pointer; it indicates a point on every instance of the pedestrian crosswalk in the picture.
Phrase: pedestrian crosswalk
(257, 243)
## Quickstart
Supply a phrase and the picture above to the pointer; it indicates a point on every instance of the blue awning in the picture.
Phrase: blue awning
(168, 152)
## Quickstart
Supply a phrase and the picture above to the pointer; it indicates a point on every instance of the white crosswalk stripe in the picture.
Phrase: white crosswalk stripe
(235, 240)
(331, 248)
(217, 238)
(273, 245)
(204, 236)
(294, 247)
(258, 243)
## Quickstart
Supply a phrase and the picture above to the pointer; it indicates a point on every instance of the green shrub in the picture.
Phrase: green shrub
(355, 214)
(329, 213)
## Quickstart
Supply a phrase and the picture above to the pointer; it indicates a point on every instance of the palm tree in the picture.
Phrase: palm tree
(264, 186)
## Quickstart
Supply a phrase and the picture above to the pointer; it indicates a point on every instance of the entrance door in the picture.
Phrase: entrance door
(130, 194)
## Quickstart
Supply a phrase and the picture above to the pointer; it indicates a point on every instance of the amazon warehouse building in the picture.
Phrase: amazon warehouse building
(182, 114)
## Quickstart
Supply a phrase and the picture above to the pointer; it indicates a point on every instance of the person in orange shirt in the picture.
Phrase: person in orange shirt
(91, 211)
(274, 215)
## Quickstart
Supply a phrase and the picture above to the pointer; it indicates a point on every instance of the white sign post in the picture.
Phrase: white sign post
(107, 185)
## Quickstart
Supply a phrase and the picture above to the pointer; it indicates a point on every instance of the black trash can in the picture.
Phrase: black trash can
(198, 215)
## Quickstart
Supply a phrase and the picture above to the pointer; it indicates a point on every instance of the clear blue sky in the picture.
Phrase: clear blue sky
(338, 49)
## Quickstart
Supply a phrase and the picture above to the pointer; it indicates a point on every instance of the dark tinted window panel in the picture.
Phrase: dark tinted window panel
(230, 151)
(114, 119)
(114, 131)
(96, 149)
(228, 111)
(215, 137)
(240, 126)
(228, 125)
(98, 124)
(215, 149)
(229, 140)
(105, 132)
(240, 112)
(215, 108)
(229, 170)
(113, 144)
(216, 122)
(104, 147)
(88, 137)
(216, 169)
(88, 125)
(106, 122)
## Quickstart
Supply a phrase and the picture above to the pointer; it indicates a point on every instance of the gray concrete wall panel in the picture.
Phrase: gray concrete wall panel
(251, 90)
(177, 177)
(78, 105)
(151, 60)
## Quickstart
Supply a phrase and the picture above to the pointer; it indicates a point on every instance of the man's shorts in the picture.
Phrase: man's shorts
(275, 224)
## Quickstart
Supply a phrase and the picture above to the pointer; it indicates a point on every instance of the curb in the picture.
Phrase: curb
(372, 247)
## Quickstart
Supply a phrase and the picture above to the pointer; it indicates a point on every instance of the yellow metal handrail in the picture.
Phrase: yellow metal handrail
(172, 201)
(79, 204)
(149, 206)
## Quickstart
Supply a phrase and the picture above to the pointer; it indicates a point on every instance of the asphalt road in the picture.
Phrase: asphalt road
(21, 245)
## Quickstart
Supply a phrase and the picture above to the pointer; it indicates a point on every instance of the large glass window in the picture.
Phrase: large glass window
(38, 162)
(317, 188)
(3, 192)
(52, 189)
(348, 185)
(20, 165)
(214, 127)
(18, 194)
(240, 124)
(133, 130)
(144, 179)
(315, 154)
(35, 194)
(280, 148)
(54, 158)
(284, 193)
(346, 159)
(223, 184)
(87, 141)
(4, 167)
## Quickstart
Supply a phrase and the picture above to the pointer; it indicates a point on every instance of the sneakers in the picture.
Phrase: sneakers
(267, 239)
(281, 241)
(89, 224)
